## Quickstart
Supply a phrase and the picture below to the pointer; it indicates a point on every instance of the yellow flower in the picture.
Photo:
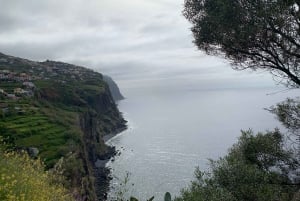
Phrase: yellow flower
(24, 179)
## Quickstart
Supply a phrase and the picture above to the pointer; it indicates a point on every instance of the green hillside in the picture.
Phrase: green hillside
(58, 112)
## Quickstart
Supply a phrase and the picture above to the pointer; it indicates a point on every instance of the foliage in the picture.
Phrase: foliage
(63, 122)
(51, 130)
(168, 196)
(252, 34)
(24, 179)
(122, 191)
(288, 113)
(256, 168)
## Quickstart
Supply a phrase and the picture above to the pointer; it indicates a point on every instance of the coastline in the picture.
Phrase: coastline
(107, 137)
(101, 172)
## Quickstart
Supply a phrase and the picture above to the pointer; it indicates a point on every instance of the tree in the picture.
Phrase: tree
(256, 168)
(255, 34)
(288, 113)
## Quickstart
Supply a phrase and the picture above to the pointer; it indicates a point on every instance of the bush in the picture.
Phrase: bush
(257, 168)
(24, 179)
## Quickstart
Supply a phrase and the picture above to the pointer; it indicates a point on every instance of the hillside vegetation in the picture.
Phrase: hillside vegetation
(23, 178)
(58, 112)
(257, 168)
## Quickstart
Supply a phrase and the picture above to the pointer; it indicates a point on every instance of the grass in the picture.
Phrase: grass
(50, 120)
(48, 129)
(50, 125)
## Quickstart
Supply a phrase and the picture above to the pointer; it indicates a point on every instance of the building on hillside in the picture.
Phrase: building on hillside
(5, 71)
(49, 69)
(18, 91)
(12, 96)
(3, 60)
(29, 85)
(24, 77)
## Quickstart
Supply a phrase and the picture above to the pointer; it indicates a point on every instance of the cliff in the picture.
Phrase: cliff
(115, 91)
(61, 111)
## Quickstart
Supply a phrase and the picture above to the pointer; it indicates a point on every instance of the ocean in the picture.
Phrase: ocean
(171, 132)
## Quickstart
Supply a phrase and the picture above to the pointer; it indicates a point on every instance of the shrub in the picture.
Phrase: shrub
(24, 179)
(256, 168)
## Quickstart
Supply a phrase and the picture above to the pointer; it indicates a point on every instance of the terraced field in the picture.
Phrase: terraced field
(63, 117)
(52, 137)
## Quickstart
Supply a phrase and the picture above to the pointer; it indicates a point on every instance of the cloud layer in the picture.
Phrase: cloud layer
(135, 41)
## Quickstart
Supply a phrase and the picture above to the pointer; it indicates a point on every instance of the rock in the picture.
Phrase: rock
(33, 152)
(114, 89)
(100, 163)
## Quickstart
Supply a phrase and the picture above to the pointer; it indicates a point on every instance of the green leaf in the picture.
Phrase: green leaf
(133, 199)
(151, 199)
(168, 196)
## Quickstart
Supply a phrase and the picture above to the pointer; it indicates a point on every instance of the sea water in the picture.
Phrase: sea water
(171, 132)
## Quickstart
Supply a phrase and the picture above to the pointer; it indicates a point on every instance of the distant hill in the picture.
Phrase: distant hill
(114, 89)
(60, 113)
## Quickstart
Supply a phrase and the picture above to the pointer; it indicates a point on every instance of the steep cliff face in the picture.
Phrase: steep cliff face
(64, 113)
(93, 150)
(102, 102)
(115, 91)
(103, 119)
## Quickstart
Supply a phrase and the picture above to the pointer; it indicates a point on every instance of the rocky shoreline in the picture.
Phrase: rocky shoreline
(101, 172)
(106, 138)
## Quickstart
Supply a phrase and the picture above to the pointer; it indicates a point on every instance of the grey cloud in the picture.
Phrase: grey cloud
(132, 40)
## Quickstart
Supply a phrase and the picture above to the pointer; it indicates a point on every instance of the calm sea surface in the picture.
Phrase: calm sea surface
(172, 132)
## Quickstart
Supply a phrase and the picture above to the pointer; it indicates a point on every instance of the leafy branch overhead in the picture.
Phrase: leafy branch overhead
(255, 34)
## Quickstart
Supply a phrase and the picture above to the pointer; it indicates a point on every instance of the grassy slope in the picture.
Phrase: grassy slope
(50, 129)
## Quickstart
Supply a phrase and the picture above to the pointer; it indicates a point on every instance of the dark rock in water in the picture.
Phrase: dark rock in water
(114, 89)
(102, 174)
(110, 152)
(103, 178)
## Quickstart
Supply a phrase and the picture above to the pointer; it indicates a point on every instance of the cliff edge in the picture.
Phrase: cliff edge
(115, 91)
(60, 113)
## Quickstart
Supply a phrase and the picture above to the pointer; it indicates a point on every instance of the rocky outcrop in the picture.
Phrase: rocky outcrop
(115, 91)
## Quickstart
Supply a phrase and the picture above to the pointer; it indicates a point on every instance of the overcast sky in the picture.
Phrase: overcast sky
(140, 43)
